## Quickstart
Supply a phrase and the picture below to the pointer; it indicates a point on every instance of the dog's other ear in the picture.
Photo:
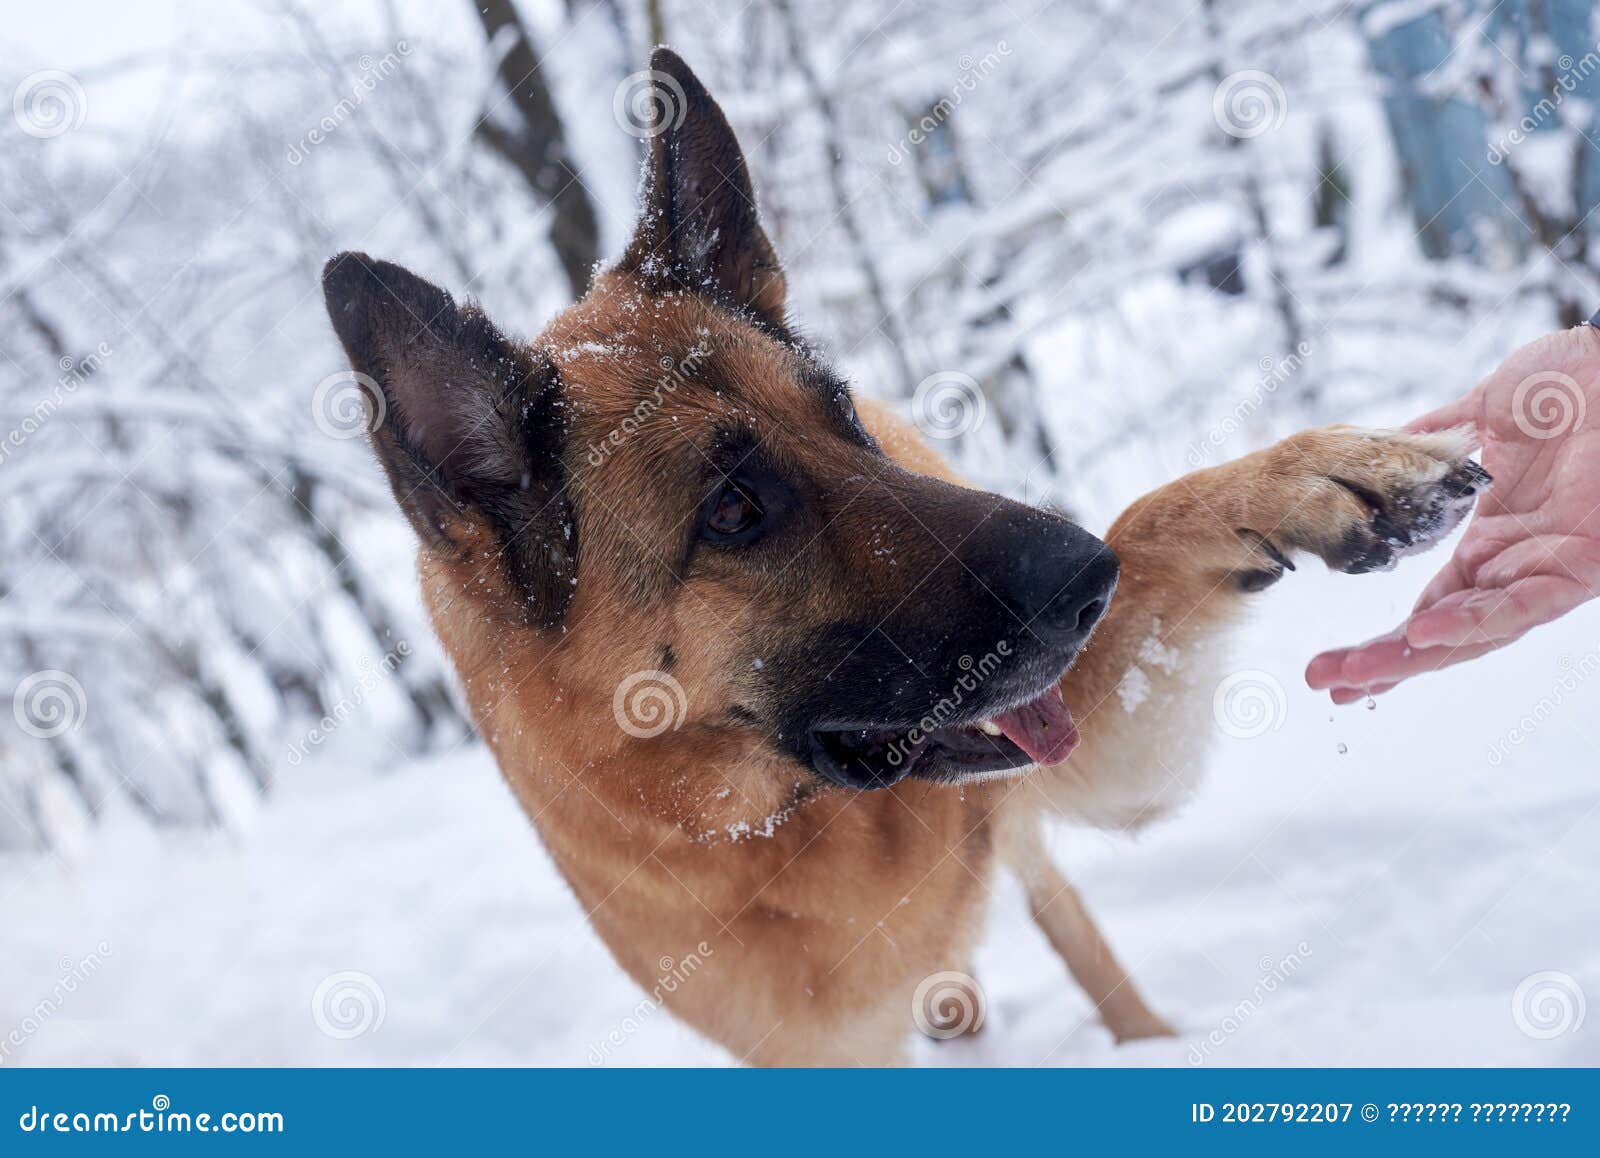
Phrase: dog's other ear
(699, 229)
(467, 420)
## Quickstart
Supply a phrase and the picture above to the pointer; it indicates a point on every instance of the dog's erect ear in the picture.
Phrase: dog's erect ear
(699, 229)
(468, 420)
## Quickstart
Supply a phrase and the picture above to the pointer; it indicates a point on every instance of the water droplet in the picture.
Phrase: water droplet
(1344, 748)
(1372, 704)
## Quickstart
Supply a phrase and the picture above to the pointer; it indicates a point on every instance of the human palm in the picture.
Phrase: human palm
(1532, 551)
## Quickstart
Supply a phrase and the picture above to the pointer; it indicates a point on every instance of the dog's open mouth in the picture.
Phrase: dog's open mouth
(1040, 731)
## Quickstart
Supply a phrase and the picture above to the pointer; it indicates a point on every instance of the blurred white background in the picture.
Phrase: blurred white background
(241, 818)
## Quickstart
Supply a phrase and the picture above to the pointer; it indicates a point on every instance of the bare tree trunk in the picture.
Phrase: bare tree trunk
(1330, 200)
(428, 693)
(843, 202)
(402, 174)
(537, 148)
(1282, 301)
(46, 330)
(61, 748)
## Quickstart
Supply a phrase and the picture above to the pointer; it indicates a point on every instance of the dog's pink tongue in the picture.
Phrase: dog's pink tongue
(1044, 729)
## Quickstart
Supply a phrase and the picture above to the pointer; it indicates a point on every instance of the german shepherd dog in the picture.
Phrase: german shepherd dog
(776, 689)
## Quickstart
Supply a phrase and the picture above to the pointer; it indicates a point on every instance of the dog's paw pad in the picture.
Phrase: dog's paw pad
(1413, 501)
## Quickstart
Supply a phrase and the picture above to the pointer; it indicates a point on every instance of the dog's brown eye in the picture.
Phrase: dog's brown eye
(733, 513)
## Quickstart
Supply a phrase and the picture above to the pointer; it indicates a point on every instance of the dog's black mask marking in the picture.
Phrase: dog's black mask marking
(868, 702)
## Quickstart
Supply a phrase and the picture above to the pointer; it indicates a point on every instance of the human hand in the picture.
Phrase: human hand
(1532, 551)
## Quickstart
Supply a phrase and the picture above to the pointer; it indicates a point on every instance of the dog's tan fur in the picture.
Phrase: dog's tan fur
(821, 925)
(813, 912)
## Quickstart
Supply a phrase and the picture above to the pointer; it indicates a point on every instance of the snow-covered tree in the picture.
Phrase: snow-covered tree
(1087, 245)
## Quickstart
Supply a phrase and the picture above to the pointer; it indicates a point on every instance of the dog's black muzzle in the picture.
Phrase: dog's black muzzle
(871, 701)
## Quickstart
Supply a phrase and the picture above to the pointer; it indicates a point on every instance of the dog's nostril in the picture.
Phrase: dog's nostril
(1090, 614)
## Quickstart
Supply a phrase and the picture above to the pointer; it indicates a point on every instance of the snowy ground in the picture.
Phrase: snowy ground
(1415, 883)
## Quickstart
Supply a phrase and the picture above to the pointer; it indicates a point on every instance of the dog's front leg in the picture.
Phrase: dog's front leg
(1194, 552)
(1060, 913)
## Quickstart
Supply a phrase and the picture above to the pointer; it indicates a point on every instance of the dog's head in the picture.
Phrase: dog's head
(668, 494)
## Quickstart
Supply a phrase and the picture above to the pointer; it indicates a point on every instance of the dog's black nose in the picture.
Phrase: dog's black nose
(1053, 575)
(1081, 599)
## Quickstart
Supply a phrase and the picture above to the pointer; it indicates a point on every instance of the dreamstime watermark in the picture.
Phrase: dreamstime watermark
(1548, 404)
(373, 72)
(160, 1118)
(348, 404)
(1274, 373)
(948, 1004)
(74, 372)
(1249, 704)
(973, 73)
(49, 703)
(1249, 103)
(1573, 73)
(49, 103)
(974, 673)
(1548, 1004)
(948, 404)
(73, 972)
(348, 1004)
(368, 676)
(676, 371)
(675, 972)
(1274, 974)
(648, 103)
(648, 703)
(1574, 673)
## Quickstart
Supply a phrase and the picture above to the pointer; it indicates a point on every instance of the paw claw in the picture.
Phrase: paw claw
(1468, 481)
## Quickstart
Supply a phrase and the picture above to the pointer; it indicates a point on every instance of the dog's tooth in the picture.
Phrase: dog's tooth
(990, 727)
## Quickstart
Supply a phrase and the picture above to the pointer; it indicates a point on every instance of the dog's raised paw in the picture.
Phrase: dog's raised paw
(1407, 521)
(1372, 497)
